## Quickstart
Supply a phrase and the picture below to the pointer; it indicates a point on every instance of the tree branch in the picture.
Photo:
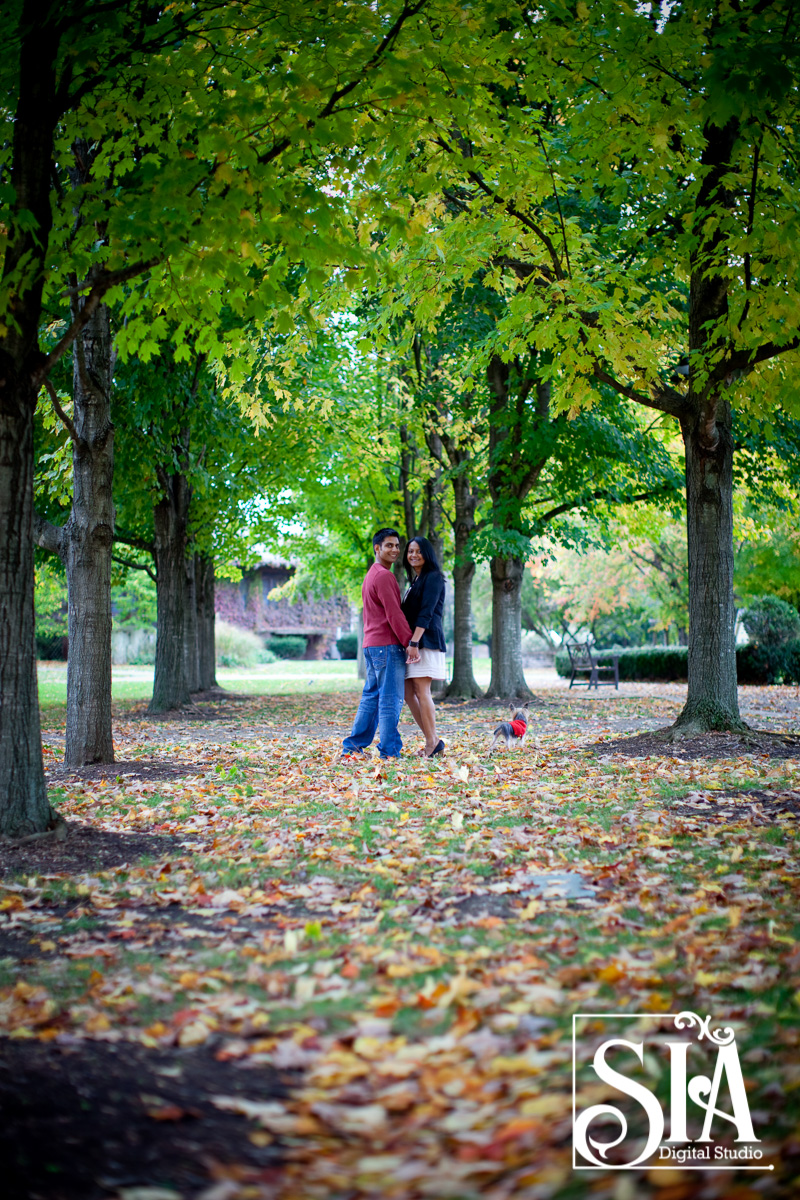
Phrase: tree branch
(62, 416)
(664, 399)
(558, 205)
(603, 494)
(745, 360)
(407, 11)
(130, 539)
(127, 562)
(102, 285)
(47, 535)
(751, 209)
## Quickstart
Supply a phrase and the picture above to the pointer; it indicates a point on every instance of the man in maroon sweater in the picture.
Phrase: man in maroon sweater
(386, 636)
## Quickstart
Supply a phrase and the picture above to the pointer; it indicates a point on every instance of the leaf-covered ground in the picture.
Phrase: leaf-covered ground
(283, 976)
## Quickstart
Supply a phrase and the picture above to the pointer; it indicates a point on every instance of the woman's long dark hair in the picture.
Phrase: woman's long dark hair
(428, 553)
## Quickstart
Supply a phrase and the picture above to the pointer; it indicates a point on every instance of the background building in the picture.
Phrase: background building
(247, 604)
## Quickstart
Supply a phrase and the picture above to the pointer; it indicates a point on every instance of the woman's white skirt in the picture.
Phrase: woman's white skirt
(431, 663)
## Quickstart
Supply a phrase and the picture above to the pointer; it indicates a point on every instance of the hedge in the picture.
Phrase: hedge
(666, 664)
(347, 645)
(287, 647)
(652, 663)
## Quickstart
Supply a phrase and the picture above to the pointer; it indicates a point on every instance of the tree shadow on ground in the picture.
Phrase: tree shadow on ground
(81, 1122)
(704, 745)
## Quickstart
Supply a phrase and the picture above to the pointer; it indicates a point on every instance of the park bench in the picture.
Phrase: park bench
(583, 660)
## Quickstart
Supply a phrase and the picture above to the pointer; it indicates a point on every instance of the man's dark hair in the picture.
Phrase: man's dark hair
(380, 537)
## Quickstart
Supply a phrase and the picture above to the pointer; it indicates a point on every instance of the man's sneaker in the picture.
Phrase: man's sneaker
(352, 756)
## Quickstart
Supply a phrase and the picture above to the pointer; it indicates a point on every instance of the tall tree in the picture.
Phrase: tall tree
(190, 465)
(509, 439)
(634, 171)
(183, 172)
(84, 542)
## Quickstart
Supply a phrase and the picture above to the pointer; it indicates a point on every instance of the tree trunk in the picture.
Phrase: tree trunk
(508, 677)
(463, 684)
(712, 700)
(170, 518)
(432, 516)
(206, 616)
(87, 542)
(191, 643)
(24, 807)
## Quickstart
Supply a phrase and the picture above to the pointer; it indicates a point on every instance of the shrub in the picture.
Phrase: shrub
(347, 645)
(143, 658)
(532, 643)
(51, 647)
(287, 646)
(770, 621)
(237, 647)
(765, 663)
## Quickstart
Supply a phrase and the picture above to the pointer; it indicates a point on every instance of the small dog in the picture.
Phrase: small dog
(513, 730)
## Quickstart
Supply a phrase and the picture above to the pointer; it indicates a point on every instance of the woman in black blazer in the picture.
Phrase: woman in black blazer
(423, 605)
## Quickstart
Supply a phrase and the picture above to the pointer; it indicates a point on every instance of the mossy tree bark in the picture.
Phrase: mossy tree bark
(712, 701)
(206, 616)
(85, 542)
(191, 632)
(514, 469)
(508, 677)
(463, 685)
(171, 522)
(24, 807)
(86, 546)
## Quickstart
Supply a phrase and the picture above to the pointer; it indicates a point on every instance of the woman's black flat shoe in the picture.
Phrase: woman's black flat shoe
(438, 749)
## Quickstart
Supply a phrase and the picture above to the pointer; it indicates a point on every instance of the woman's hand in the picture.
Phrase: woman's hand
(413, 648)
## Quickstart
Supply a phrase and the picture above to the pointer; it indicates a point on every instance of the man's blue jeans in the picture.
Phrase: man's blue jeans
(381, 702)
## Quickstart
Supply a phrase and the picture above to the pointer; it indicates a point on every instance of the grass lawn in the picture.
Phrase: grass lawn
(363, 979)
(136, 683)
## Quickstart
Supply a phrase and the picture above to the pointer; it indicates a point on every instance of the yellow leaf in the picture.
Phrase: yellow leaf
(193, 1034)
(554, 1105)
(98, 1023)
